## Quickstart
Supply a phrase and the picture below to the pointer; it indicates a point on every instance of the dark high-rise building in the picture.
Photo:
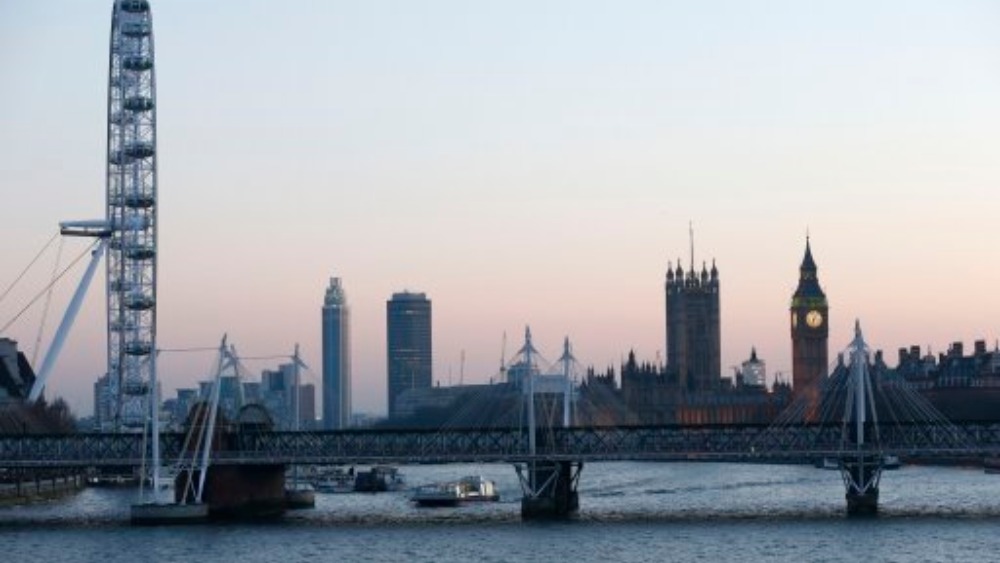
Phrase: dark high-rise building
(336, 358)
(694, 337)
(408, 344)
(810, 331)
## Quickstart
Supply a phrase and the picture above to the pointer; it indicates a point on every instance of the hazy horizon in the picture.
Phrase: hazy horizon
(521, 163)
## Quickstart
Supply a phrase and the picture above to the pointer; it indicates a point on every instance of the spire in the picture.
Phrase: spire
(808, 265)
(808, 288)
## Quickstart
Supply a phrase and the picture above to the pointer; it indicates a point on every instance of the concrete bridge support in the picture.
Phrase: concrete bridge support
(238, 491)
(549, 489)
(861, 476)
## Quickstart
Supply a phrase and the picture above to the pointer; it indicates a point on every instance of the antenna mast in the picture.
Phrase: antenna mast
(691, 238)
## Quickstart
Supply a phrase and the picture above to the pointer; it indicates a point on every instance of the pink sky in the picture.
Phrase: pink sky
(521, 165)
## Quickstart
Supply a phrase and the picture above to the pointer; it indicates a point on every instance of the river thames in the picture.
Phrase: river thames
(628, 512)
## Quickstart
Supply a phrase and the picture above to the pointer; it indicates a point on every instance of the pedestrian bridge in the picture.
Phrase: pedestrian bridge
(855, 420)
(731, 443)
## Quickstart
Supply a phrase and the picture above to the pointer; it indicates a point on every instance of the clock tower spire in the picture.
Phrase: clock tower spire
(810, 334)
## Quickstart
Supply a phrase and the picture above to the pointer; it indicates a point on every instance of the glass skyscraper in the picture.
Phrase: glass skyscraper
(408, 344)
(336, 358)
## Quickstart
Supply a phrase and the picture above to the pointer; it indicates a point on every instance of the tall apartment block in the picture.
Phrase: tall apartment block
(336, 358)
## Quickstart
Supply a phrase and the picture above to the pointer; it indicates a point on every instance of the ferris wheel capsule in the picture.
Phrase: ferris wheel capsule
(134, 6)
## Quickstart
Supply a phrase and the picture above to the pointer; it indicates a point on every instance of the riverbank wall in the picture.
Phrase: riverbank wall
(24, 490)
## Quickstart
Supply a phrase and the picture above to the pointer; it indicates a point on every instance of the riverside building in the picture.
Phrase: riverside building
(408, 345)
(336, 358)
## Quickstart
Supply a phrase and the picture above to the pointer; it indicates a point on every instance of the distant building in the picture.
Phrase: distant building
(408, 345)
(307, 406)
(231, 398)
(411, 402)
(177, 409)
(276, 388)
(963, 387)
(810, 324)
(690, 388)
(103, 406)
(336, 358)
(547, 383)
(275, 392)
(16, 375)
(754, 371)
(654, 396)
(251, 392)
(694, 336)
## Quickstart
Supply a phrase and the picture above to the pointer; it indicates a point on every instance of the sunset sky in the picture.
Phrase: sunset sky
(523, 163)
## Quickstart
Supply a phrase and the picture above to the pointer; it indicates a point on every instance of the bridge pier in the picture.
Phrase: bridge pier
(549, 489)
(237, 491)
(861, 476)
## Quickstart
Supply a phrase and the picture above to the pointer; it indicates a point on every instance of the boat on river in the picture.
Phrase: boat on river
(338, 481)
(827, 463)
(379, 478)
(300, 495)
(454, 493)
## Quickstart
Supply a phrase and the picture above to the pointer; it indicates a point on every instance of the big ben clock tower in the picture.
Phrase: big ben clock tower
(810, 332)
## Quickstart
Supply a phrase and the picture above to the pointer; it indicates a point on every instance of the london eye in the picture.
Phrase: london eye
(131, 213)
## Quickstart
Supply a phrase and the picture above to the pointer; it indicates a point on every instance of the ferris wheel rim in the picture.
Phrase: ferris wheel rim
(131, 207)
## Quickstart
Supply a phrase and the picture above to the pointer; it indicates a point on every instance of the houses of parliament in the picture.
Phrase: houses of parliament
(689, 388)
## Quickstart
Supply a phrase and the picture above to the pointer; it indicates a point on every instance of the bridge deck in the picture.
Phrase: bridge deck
(744, 443)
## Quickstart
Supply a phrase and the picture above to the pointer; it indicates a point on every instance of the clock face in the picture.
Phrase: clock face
(795, 320)
(814, 318)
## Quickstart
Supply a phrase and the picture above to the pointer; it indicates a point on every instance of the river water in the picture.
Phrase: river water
(628, 512)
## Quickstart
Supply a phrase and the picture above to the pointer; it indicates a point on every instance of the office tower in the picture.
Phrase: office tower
(336, 358)
(277, 392)
(408, 344)
(810, 331)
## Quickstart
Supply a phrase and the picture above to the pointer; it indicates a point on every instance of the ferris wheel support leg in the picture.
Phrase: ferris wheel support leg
(67, 323)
